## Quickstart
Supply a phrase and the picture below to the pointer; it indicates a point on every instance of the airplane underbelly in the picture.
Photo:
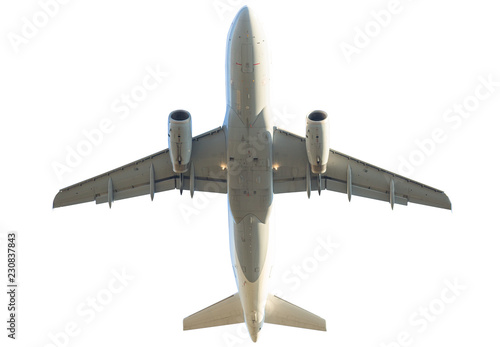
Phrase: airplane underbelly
(249, 166)
(251, 239)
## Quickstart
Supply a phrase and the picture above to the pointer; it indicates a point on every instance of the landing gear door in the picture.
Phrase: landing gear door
(247, 58)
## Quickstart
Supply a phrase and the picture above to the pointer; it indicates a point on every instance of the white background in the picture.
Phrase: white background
(64, 80)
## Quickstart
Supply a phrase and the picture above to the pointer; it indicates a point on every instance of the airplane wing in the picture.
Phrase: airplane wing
(345, 174)
(154, 173)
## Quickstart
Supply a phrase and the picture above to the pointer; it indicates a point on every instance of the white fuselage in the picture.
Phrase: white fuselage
(249, 142)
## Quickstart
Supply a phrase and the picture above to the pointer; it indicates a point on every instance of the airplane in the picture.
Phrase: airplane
(250, 160)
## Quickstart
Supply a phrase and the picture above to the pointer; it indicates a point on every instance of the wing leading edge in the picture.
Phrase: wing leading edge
(345, 174)
(154, 174)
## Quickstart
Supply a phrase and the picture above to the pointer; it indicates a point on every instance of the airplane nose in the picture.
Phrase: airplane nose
(245, 22)
(245, 14)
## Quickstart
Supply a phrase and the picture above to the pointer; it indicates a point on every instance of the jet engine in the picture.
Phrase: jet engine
(180, 139)
(317, 140)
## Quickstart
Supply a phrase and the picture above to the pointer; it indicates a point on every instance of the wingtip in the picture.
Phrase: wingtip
(55, 204)
(450, 205)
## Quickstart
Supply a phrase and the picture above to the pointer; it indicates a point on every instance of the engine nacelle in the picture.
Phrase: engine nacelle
(180, 139)
(317, 140)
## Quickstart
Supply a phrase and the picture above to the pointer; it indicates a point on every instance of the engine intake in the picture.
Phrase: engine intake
(180, 139)
(317, 141)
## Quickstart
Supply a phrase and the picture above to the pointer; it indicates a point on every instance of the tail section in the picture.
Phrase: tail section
(225, 312)
(281, 312)
(278, 311)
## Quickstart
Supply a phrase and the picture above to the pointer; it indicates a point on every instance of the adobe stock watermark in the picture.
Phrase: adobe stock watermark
(294, 277)
(32, 25)
(199, 202)
(87, 310)
(121, 107)
(281, 116)
(298, 273)
(364, 35)
(428, 313)
(452, 118)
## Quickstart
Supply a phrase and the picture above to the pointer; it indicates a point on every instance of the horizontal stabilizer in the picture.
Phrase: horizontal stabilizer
(281, 312)
(225, 312)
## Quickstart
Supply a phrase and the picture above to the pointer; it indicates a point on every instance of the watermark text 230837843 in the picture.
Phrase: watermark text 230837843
(12, 284)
